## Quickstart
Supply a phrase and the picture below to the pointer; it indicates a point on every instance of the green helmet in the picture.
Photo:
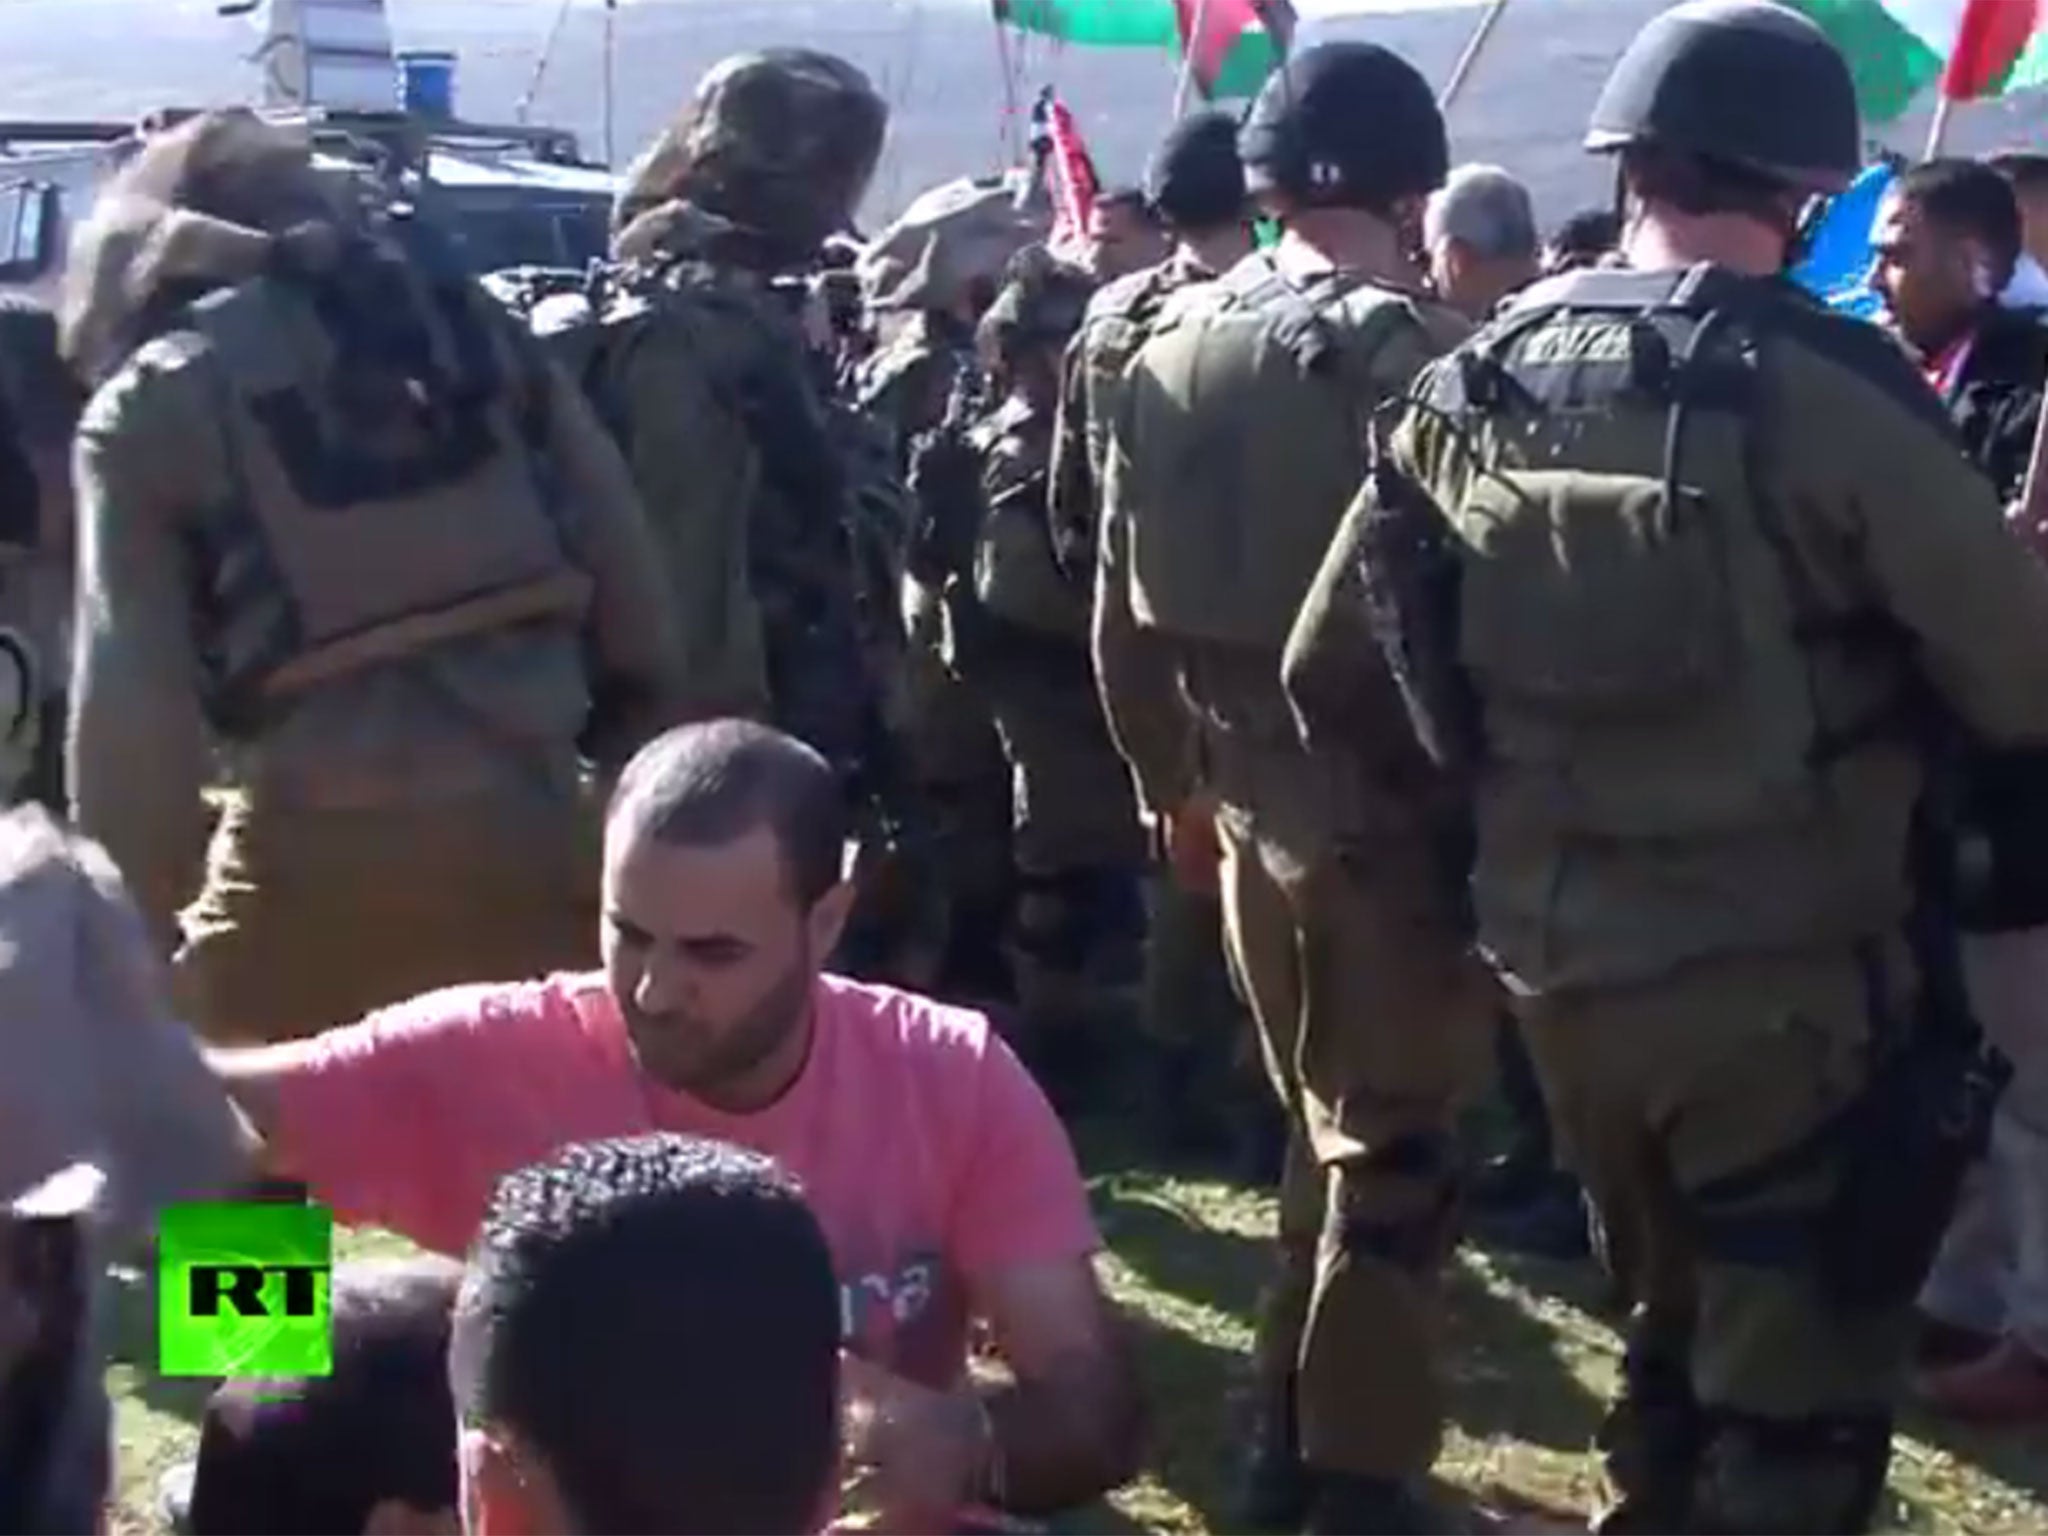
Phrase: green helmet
(782, 142)
(1741, 81)
(1345, 124)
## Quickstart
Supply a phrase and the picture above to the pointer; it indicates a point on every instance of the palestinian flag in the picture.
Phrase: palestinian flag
(1971, 48)
(1240, 41)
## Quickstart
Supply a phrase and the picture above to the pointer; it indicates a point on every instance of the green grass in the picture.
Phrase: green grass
(1531, 1355)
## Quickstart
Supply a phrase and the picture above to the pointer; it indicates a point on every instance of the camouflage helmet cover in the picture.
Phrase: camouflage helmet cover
(782, 142)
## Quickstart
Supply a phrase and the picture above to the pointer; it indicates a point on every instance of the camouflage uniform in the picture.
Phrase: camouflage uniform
(937, 267)
(401, 616)
(701, 372)
(1021, 643)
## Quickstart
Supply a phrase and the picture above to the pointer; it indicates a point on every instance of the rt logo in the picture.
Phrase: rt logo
(243, 1290)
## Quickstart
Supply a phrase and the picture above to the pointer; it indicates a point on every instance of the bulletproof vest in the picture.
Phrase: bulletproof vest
(387, 532)
(1016, 575)
(1654, 662)
(1248, 419)
(1119, 323)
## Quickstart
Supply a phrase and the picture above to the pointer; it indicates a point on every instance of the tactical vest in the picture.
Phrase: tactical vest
(1247, 422)
(1668, 716)
(1119, 323)
(381, 544)
(751, 488)
(1016, 575)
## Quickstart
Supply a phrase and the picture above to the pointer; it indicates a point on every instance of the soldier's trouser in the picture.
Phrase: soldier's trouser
(1332, 972)
(1079, 849)
(961, 869)
(1750, 1402)
(1992, 1273)
(314, 918)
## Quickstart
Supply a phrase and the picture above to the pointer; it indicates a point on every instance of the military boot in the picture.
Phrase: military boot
(1650, 1445)
(1275, 1489)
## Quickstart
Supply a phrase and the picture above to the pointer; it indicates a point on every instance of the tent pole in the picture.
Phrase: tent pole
(611, 59)
(1462, 70)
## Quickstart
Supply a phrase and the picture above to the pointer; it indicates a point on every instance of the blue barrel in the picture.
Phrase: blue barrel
(426, 84)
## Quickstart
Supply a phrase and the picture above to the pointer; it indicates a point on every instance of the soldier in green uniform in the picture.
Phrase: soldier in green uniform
(1018, 638)
(935, 272)
(343, 528)
(1237, 445)
(700, 370)
(1669, 561)
(1202, 1082)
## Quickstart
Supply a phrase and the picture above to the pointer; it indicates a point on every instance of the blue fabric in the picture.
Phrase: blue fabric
(1837, 264)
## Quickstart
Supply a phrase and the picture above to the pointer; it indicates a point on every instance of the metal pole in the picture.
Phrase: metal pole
(523, 113)
(1938, 129)
(1185, 86)
(611, 55)
(1462, 70)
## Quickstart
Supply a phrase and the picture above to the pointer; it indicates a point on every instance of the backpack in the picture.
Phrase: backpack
(1245, 417)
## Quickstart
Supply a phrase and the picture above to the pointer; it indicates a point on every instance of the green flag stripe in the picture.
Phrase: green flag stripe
(1890, 63)
(1251, 59)
(1103, 23)
(2030, 69)
(1143, 24)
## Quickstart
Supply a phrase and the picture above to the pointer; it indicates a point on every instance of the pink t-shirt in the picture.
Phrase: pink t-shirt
(930, 1156)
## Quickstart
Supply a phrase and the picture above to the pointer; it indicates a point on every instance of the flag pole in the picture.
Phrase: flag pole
(1937, 131)
(1186, 85)
(1462, 70)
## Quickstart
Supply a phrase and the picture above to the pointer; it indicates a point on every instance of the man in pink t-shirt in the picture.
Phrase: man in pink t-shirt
(944, 1184)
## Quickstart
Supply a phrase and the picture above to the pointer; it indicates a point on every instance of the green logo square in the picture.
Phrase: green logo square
(242, 1290)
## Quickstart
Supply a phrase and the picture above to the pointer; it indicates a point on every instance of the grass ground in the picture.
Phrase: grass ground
(1533, 1360)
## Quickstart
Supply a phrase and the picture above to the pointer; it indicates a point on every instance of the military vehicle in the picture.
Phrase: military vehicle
(512, 195)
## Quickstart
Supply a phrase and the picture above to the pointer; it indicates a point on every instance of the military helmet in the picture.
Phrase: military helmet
(782, 142)
(1043, 299)
(1742, 81)
(1345, 124)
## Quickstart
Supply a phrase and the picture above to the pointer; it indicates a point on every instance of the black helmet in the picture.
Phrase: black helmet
(1742, 81)
(1196, 179)
(1345, 125)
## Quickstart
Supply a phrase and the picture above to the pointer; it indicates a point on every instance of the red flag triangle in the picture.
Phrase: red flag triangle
(1990, 37)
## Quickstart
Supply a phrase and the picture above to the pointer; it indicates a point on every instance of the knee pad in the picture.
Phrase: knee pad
(1418, 1240)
